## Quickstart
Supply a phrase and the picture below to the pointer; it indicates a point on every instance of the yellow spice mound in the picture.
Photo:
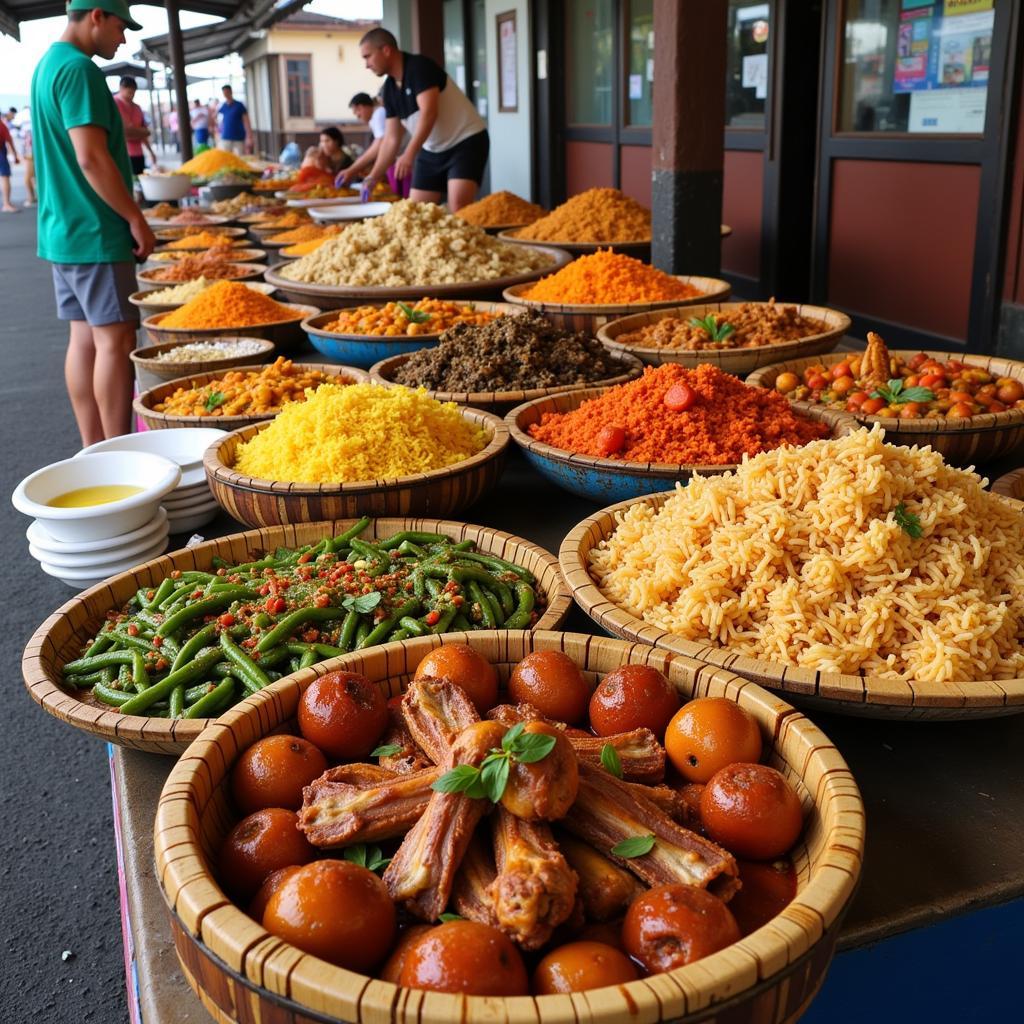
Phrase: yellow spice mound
(597, 215)
(501, 208)
(360, 432)
(201, 240)
(227, 304)
(212, 161)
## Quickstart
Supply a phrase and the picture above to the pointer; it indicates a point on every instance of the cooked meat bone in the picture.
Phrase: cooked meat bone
(605, 888)
(435, 712)
(471, 893)
(606, 812)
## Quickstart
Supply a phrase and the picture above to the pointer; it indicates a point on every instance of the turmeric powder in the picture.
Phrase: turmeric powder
(204, 240)
(304, 233)
(597, 215)
(228, 304)
(607, 278)
(501, 209)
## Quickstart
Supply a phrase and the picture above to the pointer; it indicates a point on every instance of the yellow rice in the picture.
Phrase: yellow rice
(798, 558)
(360, 432)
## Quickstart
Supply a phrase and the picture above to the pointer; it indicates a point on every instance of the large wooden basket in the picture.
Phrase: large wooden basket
(441, 492)
(63, 635)
(966, 442)
(737, 360)
(591, 318)
(501, 402)
(340, 296)
(1011, 485)
(604, 480)
(640, 250)
(151, 372)
(143, 404)
(242, 973)
(867, 696)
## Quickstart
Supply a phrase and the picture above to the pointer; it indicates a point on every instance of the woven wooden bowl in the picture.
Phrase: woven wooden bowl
(172, 234)
(241, 973)
(151, 372)
(738, 360)
(287, 335)
(501, 402)
(639, 250)
(340, 296)
(605, 480)
(441, 492)
(866, 696)
(149, 308)
(63, 635)
(367, 349)
(239, 272)
(591, 319)
(1011, 485)
(143, 404)
(966, 442)
(212, 222)
(239, 254)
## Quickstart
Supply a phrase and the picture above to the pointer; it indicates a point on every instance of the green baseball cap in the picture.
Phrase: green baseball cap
(115, 7)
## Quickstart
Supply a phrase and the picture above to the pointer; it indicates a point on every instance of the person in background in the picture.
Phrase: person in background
(27, 157)
(200, 123)
(447, 153)
(366, 109)
(135, 131)
(172, 126)
(235, 130)
(329, 156)
(90, 228)
(6, 139)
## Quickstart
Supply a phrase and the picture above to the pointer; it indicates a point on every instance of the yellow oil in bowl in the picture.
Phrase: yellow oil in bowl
(85, 497)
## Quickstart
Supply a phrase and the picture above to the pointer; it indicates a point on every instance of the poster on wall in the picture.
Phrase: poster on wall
(954, 111)
(508, 81)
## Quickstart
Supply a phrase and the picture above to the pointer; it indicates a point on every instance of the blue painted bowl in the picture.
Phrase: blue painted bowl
(363, 350)
(612, 480)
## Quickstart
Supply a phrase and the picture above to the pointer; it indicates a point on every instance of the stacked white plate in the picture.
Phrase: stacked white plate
(191, 504)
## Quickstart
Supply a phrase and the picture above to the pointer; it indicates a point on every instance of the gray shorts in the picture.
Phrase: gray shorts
(96, 292)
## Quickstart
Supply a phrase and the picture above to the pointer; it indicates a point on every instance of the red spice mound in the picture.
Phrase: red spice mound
(725, 421)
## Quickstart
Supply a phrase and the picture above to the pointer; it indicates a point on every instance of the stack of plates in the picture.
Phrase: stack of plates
(84, 563)
(190, 505)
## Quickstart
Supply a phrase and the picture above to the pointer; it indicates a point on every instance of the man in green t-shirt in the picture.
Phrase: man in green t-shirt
(90, 227)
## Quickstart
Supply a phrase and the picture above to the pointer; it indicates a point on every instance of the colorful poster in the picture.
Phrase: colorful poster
(955, 7)
(949, 111)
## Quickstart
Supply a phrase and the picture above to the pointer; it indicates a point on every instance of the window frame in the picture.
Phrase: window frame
(305, 91)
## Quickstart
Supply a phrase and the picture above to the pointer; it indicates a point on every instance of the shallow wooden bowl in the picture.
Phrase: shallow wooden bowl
(239, 272)
(242, 973)
(148, 308)
(213, 222)
(63, 635)
(866, 696)
(172, 234)
(1011, 485)
(287, 335)
(737, 360)
(441, 492)
(501, 402)
(143, 404)
(366, 349)
(151, 372)
(967, 442)
(591, 319)
(640, 250)
(239, 254)
(340, 296)
(605, 480)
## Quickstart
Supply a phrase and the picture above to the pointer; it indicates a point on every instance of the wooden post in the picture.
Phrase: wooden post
(687, 135)
(427, 30)
(177, 52)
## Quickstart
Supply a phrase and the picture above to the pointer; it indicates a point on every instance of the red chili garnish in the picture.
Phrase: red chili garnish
(264, 590)
(275, 605)
(158, 641)
(679, 398)
(611, 440)
(175, 574)
(432, 618)
(227, 619)
(150, 594)
(311, 636)
(161, 664)
(458, 600)
(321, 601)
(133, 630)
(307, 557)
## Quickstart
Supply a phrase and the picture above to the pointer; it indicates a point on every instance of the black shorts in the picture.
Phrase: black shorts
(466, 159)
(138, 164)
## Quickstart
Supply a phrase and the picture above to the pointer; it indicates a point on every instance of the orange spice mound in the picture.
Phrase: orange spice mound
(606, 278)
(597, 215)
(727, 420)
(228, 304)
(501, 208)
(201, 240)
(305, 233)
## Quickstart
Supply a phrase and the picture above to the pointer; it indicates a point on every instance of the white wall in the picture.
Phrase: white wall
(511, 134)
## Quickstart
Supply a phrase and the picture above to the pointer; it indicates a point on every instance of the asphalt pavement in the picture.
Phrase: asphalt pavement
(58, 871)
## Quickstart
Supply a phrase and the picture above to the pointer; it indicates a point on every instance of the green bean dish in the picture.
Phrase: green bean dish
(200, 641)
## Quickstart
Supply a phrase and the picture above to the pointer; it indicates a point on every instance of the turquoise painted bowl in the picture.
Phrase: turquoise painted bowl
(610, 480)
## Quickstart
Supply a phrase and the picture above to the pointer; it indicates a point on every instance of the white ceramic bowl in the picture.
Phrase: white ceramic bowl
(200, 490)
(45, 542)
(183, 445)
(82, 578)
(101, 559)
(348, 211)
(161, 187)
(194, 520)
(156, 476)
(178, 506)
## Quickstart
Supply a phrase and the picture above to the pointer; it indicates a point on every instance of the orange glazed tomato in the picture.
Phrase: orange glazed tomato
(633, 697)
(344, 714)
(709, 733)
(261, 843)
(672, 925)
(464, 956)
(272, 772)
(392, 969)
(551, 682)
(767, 888)
(270, 885)
(335, 910)
(466, 668)
(579, 966)
(752, 811)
